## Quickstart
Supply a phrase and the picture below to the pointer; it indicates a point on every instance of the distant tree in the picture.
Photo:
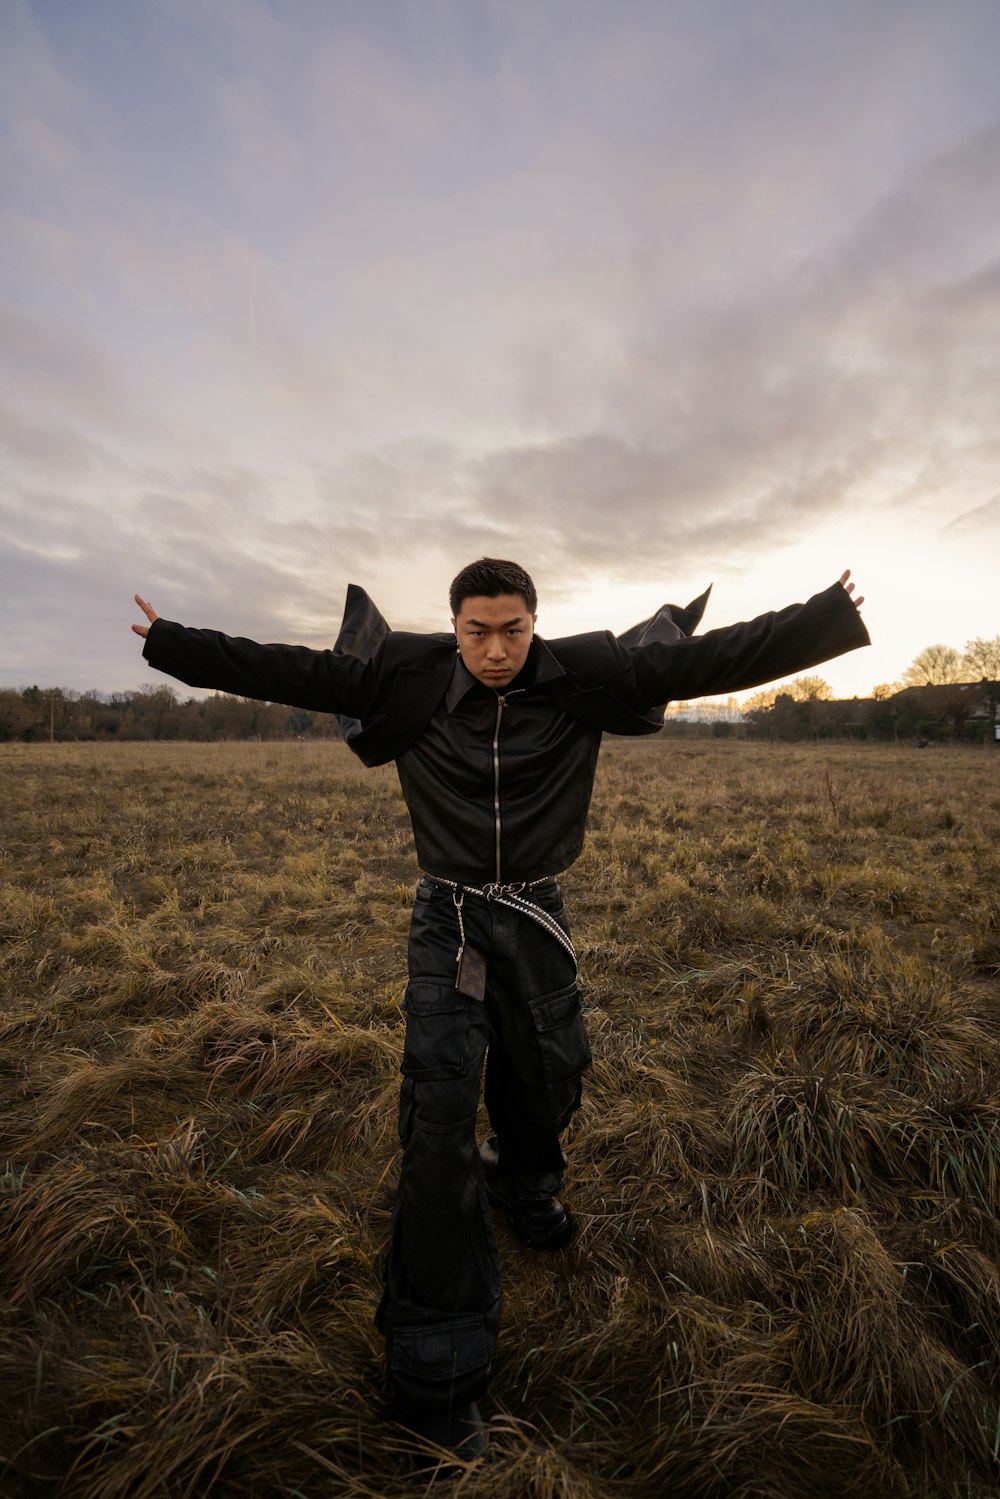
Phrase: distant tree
(981, 658)
(15, 714)
(982, 662)
(957, 708)
(883, 691)
(776, 715)
(232, 717)
(896, 717)
(91, 715)
(119, 711)
(761, 701)
(50, 713)
(811, 689)
(954, 706)
(936, 666)
(789, 718)
(300, 722)
(802, 690)
(152, 710)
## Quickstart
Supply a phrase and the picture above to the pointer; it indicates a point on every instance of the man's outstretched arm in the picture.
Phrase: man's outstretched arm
(749, 654)
(322, 681)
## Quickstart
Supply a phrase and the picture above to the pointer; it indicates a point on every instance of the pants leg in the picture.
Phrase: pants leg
(538, 1046)
(441, 1307)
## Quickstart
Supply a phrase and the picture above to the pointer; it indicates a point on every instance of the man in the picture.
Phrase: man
(496, 749)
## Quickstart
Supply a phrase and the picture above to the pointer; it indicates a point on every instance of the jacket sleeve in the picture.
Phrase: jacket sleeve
(749, 654)
(324, 681)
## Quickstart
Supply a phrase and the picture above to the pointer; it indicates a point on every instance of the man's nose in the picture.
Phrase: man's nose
(497, 648)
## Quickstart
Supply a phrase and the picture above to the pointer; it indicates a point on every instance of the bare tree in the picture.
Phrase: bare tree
(802, 690)
(936, 666)
(811, 690)
(15, 714)
(152, 709)
(982, 661)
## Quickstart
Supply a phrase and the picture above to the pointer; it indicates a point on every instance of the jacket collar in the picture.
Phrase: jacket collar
(540, 668)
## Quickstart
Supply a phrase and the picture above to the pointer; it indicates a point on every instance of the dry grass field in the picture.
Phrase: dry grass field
(786, 1172)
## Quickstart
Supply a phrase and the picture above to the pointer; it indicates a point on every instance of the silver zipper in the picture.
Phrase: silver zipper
(501, 704)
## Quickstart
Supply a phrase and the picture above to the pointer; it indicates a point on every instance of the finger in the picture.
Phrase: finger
(844, 577)
(859, 601)
(142, 630)
(147, 609)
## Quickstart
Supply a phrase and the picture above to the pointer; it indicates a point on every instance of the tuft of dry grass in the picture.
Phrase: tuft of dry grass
(785, 1173)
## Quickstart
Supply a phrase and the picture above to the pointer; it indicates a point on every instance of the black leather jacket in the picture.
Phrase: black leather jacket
(498, 785)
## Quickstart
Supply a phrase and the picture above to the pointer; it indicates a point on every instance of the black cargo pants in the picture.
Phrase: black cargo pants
(441, 1308)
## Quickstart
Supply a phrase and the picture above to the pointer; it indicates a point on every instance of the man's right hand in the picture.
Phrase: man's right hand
(150, 614)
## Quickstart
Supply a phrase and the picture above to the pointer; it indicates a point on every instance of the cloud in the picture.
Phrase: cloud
(974, 522)
(46, 366)
(67, 577)
(617, 292)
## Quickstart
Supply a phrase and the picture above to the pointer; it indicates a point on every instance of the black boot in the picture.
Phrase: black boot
(458, 1431)
(537, 1216)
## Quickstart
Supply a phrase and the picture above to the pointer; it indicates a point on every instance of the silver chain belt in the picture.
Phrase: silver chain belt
(511, 896)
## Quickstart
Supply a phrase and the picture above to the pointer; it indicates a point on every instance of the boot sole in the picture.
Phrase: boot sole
(557, 1239)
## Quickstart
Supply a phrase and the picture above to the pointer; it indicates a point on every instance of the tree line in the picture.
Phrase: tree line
(940, 695)
(53, 714)
(945, 713)
(944, 694)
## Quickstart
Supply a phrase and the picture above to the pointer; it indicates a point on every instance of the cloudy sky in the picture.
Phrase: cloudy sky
(644, 293)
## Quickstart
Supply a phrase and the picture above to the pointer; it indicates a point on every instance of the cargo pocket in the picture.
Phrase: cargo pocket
(562, 1035)
(440, 1353)
(405, 1112)
(434, 1045)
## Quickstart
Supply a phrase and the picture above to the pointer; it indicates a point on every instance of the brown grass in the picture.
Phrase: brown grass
(786, 1171)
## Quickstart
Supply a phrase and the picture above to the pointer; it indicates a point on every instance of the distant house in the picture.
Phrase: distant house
(959, 706)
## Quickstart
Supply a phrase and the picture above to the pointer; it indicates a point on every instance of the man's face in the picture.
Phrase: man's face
(494, 636)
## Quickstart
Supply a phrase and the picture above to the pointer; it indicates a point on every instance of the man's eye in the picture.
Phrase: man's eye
(514, 632)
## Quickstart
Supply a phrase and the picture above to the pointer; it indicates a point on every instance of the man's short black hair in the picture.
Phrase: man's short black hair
(488, 579)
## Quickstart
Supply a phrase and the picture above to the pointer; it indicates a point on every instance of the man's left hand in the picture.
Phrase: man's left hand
(848, 587)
